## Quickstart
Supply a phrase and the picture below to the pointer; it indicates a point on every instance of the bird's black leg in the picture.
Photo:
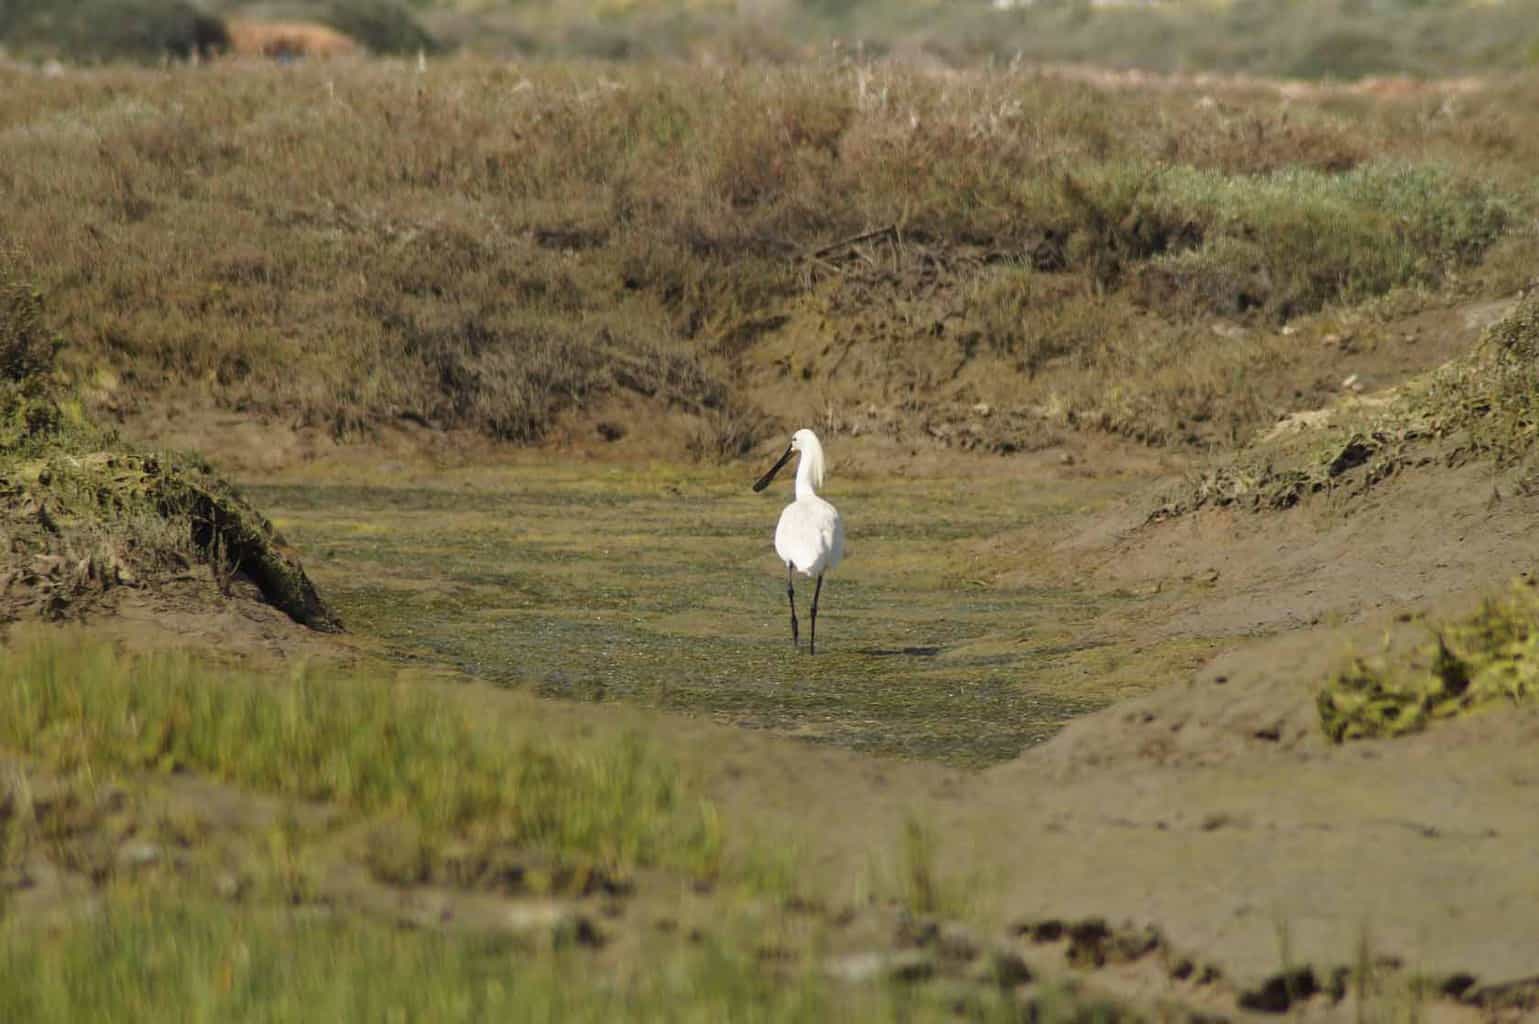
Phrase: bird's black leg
(812, 638)
(791, 596)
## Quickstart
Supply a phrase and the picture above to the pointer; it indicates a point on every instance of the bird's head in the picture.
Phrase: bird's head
(806, 443)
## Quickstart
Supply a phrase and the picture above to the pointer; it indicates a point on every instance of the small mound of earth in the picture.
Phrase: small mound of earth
(84, 518)
(82, 528)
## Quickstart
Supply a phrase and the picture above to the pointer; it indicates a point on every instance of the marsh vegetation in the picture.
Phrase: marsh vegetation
(497, 248)
(494, 346)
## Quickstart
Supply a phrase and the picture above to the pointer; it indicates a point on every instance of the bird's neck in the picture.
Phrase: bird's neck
(807, 473)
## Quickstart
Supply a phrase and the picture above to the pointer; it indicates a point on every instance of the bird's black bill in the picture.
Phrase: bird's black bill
(764, 481)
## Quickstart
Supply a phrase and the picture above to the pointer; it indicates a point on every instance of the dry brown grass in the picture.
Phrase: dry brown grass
(487, 246)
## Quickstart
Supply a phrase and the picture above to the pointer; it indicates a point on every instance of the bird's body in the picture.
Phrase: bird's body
(810, 535)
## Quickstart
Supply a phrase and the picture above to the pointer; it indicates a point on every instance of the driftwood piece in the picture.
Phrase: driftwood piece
(890, 230)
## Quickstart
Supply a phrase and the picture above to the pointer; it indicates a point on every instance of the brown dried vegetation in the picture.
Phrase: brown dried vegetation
(488, 247)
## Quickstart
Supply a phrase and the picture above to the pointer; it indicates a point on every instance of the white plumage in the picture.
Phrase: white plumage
(810, 535)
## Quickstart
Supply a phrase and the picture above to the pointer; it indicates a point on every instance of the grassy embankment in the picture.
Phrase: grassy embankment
(493, 248)
(436, 786)
(1485, 405)
(83, 513)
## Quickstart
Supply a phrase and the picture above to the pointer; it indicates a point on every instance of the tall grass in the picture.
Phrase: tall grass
(362, 741)
(152, 957)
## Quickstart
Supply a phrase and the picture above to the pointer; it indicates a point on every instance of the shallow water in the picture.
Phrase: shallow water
(659, 585)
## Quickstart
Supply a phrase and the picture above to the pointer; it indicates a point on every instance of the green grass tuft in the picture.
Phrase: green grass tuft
(155, 956)
(367, 743)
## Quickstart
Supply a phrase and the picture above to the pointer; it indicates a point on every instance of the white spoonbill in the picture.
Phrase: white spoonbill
(810, 537)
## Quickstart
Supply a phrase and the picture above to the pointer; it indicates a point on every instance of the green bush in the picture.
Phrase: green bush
(112, 30)
(1297, 239)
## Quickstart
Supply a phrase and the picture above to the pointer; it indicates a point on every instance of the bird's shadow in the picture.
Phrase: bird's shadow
(900, 652)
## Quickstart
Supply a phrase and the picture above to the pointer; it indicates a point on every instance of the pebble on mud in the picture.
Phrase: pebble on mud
(860, 968)
(560, 924)
(139, 854)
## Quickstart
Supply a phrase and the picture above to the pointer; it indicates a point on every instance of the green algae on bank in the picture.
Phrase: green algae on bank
(1490, 658)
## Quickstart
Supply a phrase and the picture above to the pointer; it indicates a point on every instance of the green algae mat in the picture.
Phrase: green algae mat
(658, 585)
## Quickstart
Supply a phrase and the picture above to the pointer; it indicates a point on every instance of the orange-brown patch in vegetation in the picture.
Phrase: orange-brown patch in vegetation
(280, 39)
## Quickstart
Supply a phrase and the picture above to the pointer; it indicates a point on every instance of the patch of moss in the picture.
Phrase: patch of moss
(1491, 657)
(1490, 401)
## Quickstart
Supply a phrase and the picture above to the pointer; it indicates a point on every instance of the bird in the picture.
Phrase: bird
(810, 536)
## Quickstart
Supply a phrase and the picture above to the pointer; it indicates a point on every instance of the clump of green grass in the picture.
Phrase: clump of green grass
(153, 956)
(112, 30)
(361, 741)
(1480, 662)
(1300, 238)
